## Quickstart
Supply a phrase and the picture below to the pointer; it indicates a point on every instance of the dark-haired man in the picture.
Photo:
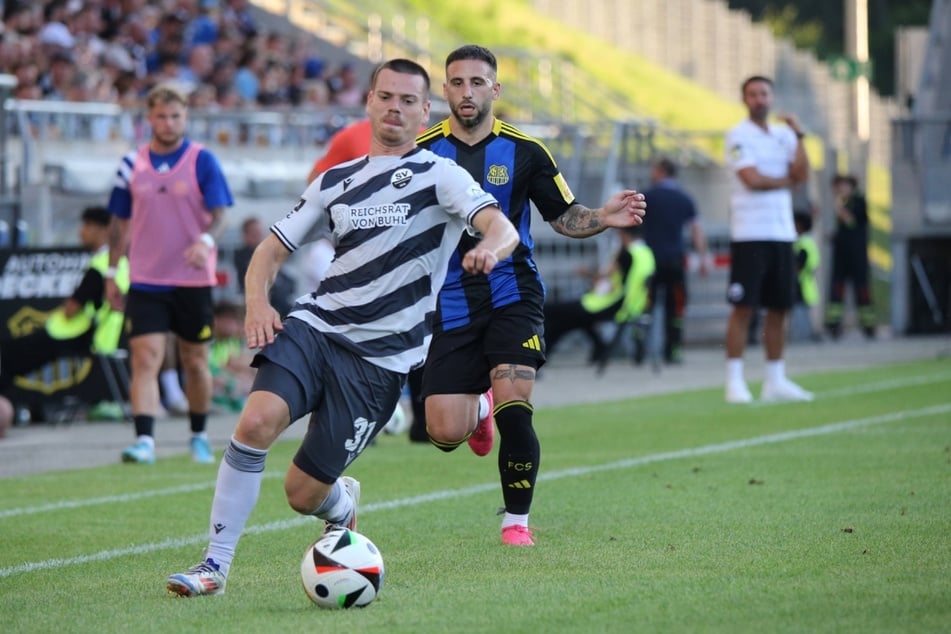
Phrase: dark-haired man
(766, 161)
(342, 354)
(488, 340)
(673, 210)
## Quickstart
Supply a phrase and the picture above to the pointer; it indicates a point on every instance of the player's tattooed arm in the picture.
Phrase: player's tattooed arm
(578, 222)
(625, 208)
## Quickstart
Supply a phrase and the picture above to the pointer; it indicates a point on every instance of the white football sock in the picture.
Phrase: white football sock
(337, 507)
(483, 406)
(236, 494)
(734, 370)
(511, 519)
(775, 371)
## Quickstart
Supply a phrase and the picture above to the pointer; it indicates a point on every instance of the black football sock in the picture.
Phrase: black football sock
(519, 455)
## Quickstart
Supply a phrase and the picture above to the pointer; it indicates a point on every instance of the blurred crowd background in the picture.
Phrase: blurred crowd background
(113, 51)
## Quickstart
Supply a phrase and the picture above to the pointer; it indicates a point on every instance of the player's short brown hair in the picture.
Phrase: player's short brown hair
(165, 94)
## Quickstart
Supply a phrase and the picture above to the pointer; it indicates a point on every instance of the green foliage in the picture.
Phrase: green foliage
(647, 519)
(819, 25)
(785, 22)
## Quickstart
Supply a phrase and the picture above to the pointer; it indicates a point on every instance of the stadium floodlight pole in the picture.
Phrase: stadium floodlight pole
(856, 43)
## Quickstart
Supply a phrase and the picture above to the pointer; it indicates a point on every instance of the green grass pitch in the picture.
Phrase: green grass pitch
(673, 513)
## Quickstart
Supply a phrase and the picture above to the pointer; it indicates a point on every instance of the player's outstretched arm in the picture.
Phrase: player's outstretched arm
(499, 239)
(624, 209)
(261, 320)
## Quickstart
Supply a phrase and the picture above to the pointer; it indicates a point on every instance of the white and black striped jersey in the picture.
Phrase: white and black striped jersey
(394, 223)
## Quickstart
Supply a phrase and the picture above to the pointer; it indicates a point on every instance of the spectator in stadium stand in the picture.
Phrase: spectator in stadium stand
(237, 16)
(127, 90)
(228, 99)
(169, 71)
(116, 60)
(55, 34)
(765, 161)
(56, 82)
(203, 98)
(204, 27)
(166, 40)
(673, 210)
(86, 26)
(275, 85)
(247, 81)
(113, 15)
(345, 87)
(28, 91)
(228, 50)
(200, 66)
(134, 36)
(28, 76)
(21, 19)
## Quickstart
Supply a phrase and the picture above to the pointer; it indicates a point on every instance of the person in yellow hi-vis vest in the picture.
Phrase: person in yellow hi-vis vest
(84, 322)
(806, 252)
(85, 308)
(620, 295)
(637, 292)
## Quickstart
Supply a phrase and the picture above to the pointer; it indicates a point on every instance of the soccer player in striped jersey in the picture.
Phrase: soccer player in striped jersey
(489, 330)
(342, 354)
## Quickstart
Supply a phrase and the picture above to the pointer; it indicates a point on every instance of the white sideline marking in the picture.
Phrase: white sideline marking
(111, 499)
(821, 430)
(107, 499)
(189, 488)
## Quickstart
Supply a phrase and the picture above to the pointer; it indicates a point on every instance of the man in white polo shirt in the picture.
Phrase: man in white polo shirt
(766, 161)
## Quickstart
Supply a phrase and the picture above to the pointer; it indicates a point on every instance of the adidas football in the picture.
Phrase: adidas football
(342, 569)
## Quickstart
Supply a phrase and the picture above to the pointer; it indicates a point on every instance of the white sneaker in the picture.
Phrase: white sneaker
(737, 392)
(784, 390)
(202, 579)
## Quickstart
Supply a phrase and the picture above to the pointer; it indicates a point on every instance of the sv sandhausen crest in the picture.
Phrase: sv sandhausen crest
(498, 175)
(401, 178)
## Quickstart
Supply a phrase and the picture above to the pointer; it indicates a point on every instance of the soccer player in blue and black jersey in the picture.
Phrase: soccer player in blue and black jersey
(489, 332)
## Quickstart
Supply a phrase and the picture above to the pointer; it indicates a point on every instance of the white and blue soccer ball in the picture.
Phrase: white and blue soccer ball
(343, 569)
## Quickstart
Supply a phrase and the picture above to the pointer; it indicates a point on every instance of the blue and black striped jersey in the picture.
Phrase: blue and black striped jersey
(518, 170)
(394, 222)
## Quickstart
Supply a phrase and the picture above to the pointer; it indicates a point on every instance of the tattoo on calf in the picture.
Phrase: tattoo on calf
(514, 372)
